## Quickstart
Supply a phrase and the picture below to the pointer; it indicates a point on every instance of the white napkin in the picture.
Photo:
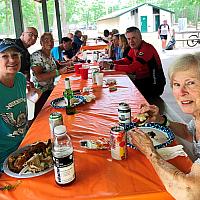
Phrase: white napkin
(168, 153)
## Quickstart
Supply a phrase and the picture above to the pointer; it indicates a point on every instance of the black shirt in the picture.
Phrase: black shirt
(25, 58)
(71, 52)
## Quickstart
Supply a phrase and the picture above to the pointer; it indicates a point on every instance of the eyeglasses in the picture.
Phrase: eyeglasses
(30, 34)
(7, 56)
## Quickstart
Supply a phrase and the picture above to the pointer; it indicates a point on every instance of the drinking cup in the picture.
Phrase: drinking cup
(84, 73)
(99, 79)
(77, 67)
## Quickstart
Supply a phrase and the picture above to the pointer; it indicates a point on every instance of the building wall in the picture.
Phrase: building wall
(164, 15)
(146, 11)
(126, 21)
(108, 24)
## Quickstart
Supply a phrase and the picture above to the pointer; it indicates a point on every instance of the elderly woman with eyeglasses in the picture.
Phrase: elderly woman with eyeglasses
(13, 106)
(184, 77)
(44, 69)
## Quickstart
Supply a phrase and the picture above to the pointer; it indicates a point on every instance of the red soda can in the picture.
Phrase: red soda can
(118, 143)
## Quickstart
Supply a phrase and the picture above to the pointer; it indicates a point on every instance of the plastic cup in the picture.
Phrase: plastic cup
(99, 79)
(77, 67)
(84, 73)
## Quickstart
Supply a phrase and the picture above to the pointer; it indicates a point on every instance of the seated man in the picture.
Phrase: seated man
(57, 52)
(77, 39)
(107, 36)
(70, 53)
(143, 65)
(27, 39)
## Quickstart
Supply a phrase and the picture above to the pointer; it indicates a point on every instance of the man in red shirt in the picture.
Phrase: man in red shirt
(143, 65)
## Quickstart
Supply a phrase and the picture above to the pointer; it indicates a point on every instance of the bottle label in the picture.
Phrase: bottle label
(64, 169)
(124, 116)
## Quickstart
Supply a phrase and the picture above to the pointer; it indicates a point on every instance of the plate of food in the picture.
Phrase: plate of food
(161, 136)
(60, 102)
(30, 161)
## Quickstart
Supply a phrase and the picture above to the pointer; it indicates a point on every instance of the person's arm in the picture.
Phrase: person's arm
(178, 184)
(66, 57)
(179, 129)
(159, 29)
(41, 76)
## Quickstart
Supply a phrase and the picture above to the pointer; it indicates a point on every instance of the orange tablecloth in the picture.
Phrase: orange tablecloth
(98, 176)
(93, 47)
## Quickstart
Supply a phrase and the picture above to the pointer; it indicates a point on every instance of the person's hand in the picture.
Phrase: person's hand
(153, 112)
(142, 141)
(63, 70)
(29, 85)
(104, 65)
(74, 58)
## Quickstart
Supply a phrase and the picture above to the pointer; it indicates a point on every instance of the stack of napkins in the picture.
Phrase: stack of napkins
(168, 153)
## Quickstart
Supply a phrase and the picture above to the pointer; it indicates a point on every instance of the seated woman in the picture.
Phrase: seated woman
(44, 69)
(123, 44)
(13, 107)
(114, 51)
(184, 77)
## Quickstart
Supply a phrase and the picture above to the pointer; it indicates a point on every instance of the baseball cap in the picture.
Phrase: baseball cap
(8, 43)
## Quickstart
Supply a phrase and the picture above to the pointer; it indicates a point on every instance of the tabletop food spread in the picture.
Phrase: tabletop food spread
(106, 165)
(29, 161)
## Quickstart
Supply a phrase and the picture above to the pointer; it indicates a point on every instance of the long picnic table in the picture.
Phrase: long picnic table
(98, 176)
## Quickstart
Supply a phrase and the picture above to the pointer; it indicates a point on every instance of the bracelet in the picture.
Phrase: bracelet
(57, 73)
(166, 121)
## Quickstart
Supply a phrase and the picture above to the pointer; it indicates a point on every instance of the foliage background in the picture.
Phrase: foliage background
(84, 13)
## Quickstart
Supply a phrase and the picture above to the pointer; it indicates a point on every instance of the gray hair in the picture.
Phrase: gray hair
(134, 29)
(183, 63)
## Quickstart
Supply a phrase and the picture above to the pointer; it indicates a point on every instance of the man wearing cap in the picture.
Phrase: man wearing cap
(13, 106)
(27, 39)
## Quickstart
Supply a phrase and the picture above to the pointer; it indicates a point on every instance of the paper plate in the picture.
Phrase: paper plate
(23, 175)
(161, 136)
(60, 102)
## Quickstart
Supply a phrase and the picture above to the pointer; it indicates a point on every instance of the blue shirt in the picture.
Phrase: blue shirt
(118, 53)
(13, 116)
(57, 53)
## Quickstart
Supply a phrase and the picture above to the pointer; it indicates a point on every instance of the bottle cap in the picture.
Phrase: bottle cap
(59, 130)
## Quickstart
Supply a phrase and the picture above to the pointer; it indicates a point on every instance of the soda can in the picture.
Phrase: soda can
(55, 119)
(118, 143)
(124, 114)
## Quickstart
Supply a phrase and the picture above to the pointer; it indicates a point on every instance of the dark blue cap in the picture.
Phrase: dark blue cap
(8, 43)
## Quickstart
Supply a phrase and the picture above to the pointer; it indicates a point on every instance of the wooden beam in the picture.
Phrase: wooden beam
(58, 20)
(18, 18)
(45, 15)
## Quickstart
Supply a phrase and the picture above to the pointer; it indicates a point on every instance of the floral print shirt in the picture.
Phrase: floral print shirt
(48, 64)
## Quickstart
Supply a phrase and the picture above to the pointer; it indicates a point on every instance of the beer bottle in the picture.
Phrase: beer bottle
(68, 95)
